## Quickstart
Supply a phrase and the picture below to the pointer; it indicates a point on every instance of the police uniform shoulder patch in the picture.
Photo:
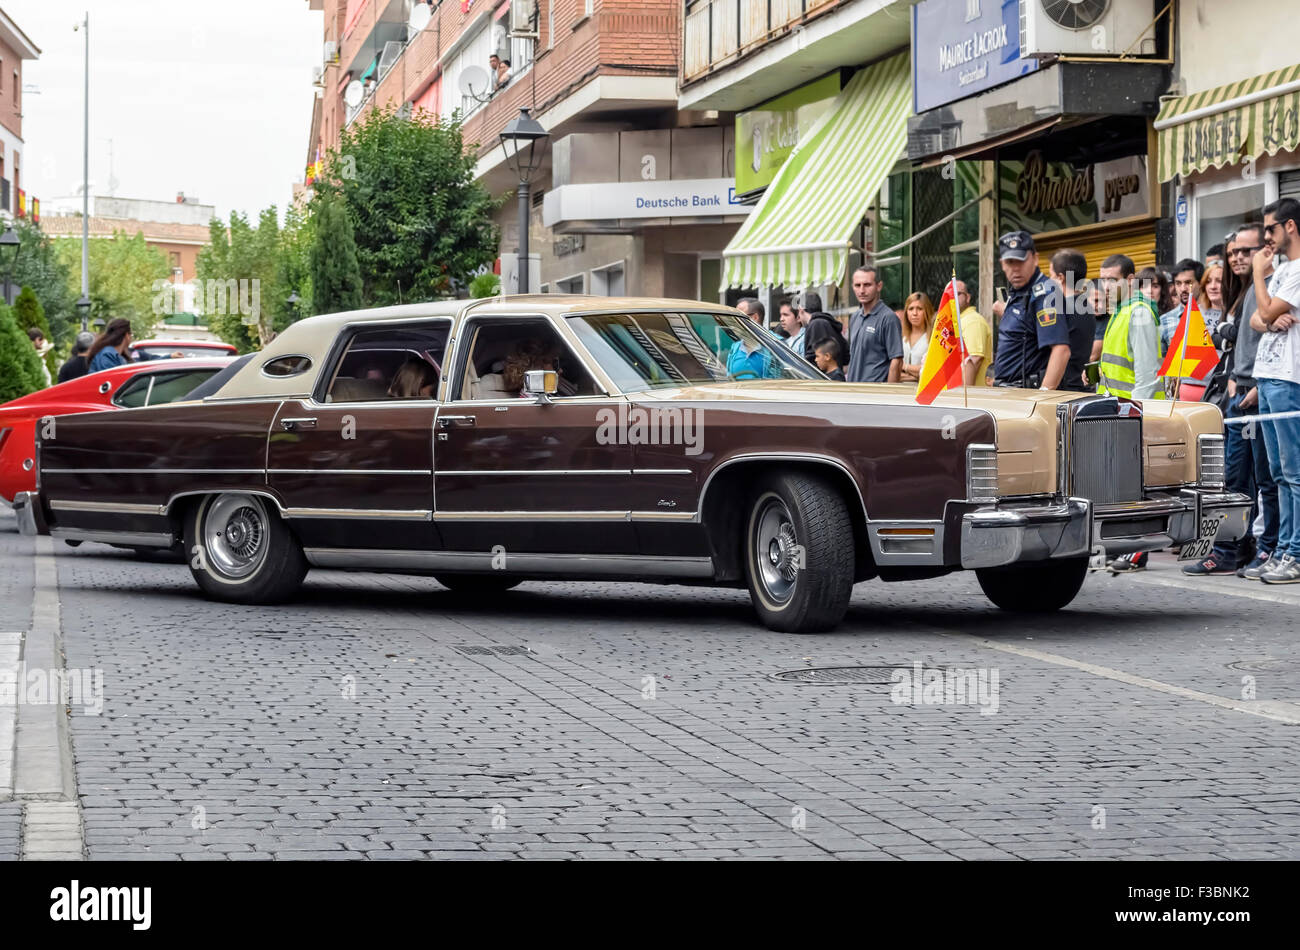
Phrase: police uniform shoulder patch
(1047, 317)
(1042, 288)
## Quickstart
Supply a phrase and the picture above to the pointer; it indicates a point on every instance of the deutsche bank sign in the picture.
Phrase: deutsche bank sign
(609, 201)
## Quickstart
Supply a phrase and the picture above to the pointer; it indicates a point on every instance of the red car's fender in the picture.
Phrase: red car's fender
(91, 393)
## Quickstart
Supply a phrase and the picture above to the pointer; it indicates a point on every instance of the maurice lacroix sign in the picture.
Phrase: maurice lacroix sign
(961, 47)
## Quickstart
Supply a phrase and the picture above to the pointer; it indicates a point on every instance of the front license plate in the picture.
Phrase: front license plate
(1201, 547)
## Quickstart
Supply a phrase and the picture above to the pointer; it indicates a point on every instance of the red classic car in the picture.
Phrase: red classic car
(142, 350)
(134, 384)
(491, 442)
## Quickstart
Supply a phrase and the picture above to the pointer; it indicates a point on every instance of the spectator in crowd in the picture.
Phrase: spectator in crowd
(818, 326)
(1130, 355)
(494, 67)
(1246, 461)
(792, 327)
(977, 336)
(42, 346)
(1187, 281)
(753, 308)
(1209, 296)
(875, 335)
(1033, 339)
(1069, 268)
(77, 365)
(1101, 310)
(110, 347)
(1215, 255)
(1277, 372)
(827, 356)
(1154, 286)
(918, 311)
(749, 359)
(503, 74)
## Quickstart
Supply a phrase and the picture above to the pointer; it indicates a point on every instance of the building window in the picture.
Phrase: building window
(571, 285)
(608, 281)
(17, 87)
(175, 258)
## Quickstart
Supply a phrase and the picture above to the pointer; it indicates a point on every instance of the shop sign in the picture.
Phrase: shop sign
(611, 201)
(961, 47)
(1037, 195)
(768, 134)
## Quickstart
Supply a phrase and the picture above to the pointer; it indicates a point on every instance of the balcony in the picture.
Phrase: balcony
(717, 31)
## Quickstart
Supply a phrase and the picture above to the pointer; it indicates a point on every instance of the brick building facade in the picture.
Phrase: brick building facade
(15, 47)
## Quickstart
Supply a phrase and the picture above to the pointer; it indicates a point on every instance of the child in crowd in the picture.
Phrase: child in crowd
(825, 354)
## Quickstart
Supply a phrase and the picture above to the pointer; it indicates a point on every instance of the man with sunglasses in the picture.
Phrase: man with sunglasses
(1247, 468)
(1277, 370)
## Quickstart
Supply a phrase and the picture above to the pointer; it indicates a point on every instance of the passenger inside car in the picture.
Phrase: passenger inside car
(415, 379)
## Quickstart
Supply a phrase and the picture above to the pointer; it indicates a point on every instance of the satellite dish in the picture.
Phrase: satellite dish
(420, 16)
(473, 81)
(354, 93)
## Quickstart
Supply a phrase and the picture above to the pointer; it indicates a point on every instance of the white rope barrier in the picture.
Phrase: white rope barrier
(1242, 420)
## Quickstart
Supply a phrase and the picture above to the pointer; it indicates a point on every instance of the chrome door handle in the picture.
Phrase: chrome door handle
(293, 425)
(446, 422)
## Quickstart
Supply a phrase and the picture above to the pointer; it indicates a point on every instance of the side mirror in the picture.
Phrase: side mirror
(542, 383)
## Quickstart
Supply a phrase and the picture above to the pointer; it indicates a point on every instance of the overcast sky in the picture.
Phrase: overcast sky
(209, 97)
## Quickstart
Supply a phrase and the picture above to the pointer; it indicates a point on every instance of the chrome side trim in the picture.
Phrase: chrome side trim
(217, 491)
(154, 471)
(662, 516)
(531, 515)
(617, 565)
(783, 457)
(535, 471)
(375, 514)
(349, 471)
(143, 539)
(119, 508)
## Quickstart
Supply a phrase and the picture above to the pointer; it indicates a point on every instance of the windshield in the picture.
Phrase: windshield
(643, 351)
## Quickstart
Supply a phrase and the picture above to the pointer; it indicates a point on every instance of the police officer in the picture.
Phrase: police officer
(1033, 335)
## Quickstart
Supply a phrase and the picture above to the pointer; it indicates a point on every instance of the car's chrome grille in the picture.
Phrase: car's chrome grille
(1106, 459)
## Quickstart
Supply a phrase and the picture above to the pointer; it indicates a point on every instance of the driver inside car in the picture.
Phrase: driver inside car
(747, 359)
(526, 355)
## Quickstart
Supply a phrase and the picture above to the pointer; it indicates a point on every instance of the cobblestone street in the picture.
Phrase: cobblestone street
(384, 717)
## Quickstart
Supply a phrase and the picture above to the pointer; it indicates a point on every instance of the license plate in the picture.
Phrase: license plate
(1201, 547)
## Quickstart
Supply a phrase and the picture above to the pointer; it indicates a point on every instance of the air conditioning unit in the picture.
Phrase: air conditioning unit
(392, 50)
(523, 18)
(317, 74)
(1087, 28)
(331, 51)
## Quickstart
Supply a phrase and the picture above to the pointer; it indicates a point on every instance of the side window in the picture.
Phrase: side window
(134, 393)
(501, 351)
(170, 387)
(391, 362)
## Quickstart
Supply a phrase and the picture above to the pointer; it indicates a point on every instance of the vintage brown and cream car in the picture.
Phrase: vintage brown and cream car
(490, 442)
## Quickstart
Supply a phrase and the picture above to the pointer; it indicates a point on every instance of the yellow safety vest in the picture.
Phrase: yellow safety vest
(1117, 373)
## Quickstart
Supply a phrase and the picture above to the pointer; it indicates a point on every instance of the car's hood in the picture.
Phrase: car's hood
(1002, 403)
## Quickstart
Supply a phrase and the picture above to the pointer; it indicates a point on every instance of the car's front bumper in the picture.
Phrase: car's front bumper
(1008, 533)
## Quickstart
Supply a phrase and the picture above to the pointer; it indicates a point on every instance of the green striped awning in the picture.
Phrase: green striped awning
(800, 233)
(1231, 124)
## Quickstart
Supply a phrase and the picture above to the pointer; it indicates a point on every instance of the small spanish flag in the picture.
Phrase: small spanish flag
(942, 367)
(1191, 352)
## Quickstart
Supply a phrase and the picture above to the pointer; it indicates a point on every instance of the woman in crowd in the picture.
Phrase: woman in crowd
(918, 323)
(1153, 285)
(1210, 299)
(109, 348)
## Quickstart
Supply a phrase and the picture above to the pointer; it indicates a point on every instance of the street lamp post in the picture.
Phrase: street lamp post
(10, 240)
(523, 140)
(83, 307)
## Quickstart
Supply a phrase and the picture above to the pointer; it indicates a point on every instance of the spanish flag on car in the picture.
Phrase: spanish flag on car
(1191, 352)
(942, 367)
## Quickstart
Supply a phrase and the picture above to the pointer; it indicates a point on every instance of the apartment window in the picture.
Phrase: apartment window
(17, 87)
(175, 258)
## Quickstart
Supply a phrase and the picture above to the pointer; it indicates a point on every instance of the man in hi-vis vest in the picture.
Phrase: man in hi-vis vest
(1130, 350)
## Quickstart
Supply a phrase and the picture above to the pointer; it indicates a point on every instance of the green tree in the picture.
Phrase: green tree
(485, 285)
(38, 267)
(29, 313)
(418, 215)
(293, 268)
(335, 274)
(124, 275)
(237, 272)
(20, 368)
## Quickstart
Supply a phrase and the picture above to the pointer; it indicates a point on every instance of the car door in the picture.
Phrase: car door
(353, 464)
(522, 475)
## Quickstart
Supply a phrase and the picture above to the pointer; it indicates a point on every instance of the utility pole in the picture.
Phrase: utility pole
(84, 303)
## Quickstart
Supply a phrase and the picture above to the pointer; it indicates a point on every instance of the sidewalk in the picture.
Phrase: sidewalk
(1165, 570)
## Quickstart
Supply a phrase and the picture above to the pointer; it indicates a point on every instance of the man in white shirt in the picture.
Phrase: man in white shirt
(1277, 372)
